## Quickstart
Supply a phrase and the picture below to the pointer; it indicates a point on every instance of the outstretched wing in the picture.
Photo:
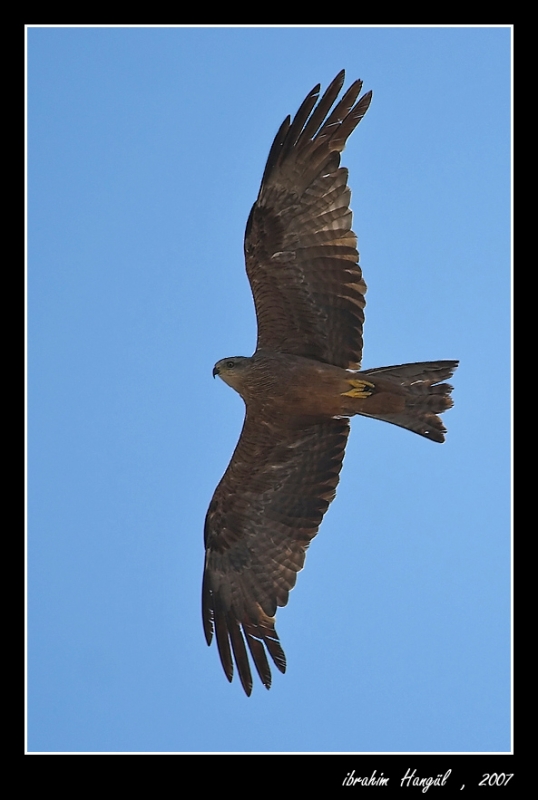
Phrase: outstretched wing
(263, 515)
(301, 254)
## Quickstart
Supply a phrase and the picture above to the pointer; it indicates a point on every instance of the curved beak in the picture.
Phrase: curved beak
(215, 371)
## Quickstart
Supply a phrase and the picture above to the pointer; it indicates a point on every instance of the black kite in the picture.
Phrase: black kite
(301, 385)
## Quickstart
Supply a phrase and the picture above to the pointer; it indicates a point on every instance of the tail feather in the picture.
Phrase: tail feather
(420, 394)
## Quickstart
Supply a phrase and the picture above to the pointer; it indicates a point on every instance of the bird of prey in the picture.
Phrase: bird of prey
(302, 384)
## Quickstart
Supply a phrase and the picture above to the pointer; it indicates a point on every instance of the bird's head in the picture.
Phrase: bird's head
(232, 370)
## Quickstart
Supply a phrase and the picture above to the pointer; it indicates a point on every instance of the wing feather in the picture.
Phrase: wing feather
(263, 515)
(301, 253)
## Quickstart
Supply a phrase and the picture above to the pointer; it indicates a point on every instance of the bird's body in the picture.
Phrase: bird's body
(301, 385)
(299, 391)
(295, 389)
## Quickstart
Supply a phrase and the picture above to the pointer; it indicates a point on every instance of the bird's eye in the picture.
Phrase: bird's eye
(230, 364)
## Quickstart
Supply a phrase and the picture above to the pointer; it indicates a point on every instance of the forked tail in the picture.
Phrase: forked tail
(411, 396)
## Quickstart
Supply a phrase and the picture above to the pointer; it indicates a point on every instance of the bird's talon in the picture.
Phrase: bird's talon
(361, 389)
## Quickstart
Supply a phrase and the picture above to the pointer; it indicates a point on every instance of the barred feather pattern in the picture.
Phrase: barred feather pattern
(301, 253)
(263, 515)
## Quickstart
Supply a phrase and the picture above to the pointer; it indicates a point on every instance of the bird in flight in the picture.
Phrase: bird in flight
(301, 386)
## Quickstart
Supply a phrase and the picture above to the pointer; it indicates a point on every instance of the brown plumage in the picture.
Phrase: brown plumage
(301, 384)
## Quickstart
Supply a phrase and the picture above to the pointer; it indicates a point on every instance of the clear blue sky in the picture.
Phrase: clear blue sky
(146, 147)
